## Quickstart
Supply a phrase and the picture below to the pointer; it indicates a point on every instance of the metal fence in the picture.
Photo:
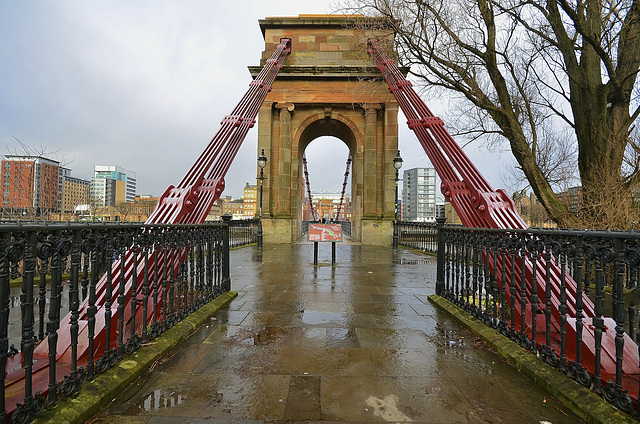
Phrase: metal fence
(243, 231)
(418, 235)
(346, 227)
(582, 318)
(90, 293)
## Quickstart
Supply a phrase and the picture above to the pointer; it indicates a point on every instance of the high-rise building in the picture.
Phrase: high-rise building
(30, 185)
(112, 185)
(419, 194)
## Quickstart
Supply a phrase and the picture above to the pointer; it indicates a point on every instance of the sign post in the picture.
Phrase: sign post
(324, 233)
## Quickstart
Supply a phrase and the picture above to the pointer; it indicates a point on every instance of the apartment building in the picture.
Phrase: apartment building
(419, 194)
(112, 185)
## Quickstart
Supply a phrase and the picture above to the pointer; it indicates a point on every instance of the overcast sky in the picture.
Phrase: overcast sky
(145, 84)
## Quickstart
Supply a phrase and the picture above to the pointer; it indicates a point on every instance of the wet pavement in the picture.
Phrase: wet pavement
(358, 343)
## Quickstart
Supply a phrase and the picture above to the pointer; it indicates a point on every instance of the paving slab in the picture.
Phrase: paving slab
(357, 343)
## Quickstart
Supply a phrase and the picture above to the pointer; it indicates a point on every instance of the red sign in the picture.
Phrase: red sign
(325, 232)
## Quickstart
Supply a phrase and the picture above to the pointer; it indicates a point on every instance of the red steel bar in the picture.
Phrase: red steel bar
(187, 203)
(190, 201)
(480, 206)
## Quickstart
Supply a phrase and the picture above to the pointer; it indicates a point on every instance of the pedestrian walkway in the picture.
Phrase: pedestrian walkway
(358, 343)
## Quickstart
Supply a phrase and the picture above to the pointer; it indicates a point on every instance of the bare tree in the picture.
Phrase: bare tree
(527, 71)
(27, 192)
(556, 155)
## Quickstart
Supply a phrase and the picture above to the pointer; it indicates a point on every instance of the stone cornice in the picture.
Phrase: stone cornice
(325, 21)
(325, 72)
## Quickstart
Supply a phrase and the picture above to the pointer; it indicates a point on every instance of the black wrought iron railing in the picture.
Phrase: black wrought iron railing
(243, 231)
(75, 298)
(577, 306)
(346, 227)
(418, 235)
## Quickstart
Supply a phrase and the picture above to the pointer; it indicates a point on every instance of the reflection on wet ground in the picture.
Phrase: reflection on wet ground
(358, 342)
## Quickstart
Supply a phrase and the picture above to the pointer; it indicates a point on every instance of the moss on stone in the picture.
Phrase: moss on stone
(96, 394)
(581, 401)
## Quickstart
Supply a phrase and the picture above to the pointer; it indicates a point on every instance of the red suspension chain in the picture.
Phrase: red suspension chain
(344, 186)
(306, 180)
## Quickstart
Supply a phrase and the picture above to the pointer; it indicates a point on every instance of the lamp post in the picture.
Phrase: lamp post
(262, 162)
(397, 164)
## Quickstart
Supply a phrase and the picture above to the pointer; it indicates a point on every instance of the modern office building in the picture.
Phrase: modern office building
(30, 185)
(112, 185)
(419, 194)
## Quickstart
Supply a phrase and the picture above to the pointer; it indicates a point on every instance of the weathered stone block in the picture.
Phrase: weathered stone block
(325, 47)
(277, 230)
(377, 232)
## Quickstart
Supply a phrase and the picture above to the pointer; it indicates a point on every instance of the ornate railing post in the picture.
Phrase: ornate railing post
(4, 316)
(33, 404)
(96, 245)
(226, 278)
(614, 391)
(72, 246)
(441, 256)
(134, 339)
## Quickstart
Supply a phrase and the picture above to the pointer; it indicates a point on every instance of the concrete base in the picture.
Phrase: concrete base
(580, 400)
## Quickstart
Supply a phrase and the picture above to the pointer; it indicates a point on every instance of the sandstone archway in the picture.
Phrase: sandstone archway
(328, 86)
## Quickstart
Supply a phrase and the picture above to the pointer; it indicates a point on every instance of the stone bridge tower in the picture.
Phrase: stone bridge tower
(328, 87)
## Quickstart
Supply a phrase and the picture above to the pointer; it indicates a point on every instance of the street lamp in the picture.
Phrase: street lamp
(397, 164)
(262, 162)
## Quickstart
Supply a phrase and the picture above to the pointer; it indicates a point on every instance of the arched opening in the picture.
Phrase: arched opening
(327, 144)
(328, 188)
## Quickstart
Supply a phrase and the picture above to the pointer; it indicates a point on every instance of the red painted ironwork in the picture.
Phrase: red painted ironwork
(187, 203)
(306, 181)
(480, 206)
(191, 200)
(344, 186)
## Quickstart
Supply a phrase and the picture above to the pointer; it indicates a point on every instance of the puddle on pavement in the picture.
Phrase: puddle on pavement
(158, 400)
(457, 339)
(319, 318)
(267, 336)
(342, 337)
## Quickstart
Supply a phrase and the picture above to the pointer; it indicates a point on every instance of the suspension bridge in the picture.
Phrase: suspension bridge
(158, 273)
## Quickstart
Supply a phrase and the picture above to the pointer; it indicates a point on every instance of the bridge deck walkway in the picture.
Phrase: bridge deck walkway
(358, 342)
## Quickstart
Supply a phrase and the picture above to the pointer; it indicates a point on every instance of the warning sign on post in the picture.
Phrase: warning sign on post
(325, 232)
